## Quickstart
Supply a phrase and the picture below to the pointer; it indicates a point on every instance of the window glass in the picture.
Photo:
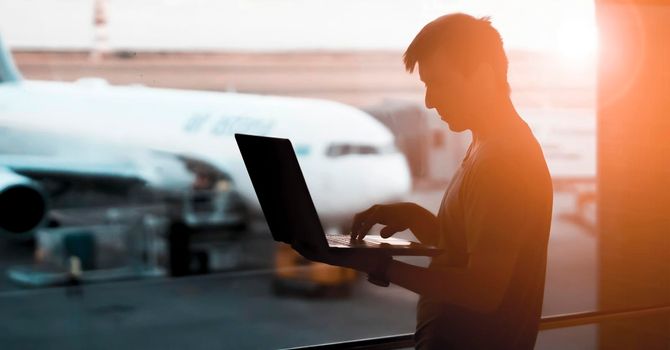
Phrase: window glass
(123, 116)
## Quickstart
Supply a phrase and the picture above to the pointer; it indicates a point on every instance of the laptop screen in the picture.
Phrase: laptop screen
(281, 189)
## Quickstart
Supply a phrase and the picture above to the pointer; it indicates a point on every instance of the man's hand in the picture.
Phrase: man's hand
(397, 217)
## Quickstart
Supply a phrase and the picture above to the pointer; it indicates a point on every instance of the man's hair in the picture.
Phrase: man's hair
(466, 42)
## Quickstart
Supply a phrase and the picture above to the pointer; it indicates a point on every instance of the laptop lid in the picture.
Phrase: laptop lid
(287, 204)
(281, 189)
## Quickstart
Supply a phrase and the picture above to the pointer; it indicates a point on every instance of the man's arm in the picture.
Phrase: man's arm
(497, 226)
(479, 286)
(497, 205)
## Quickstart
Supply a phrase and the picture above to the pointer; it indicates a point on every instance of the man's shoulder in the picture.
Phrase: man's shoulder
(515, 150)
(509, 163)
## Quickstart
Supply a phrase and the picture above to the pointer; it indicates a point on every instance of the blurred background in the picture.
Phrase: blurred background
(128, 217)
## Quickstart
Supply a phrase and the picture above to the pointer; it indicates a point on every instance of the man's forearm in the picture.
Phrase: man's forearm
(457, 286)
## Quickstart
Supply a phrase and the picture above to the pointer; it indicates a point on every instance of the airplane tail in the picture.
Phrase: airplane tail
(8, 70)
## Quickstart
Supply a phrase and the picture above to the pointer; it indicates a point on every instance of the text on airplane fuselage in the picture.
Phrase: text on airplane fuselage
(226, 125)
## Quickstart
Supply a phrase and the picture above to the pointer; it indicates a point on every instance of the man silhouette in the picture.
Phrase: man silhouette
(486, 290)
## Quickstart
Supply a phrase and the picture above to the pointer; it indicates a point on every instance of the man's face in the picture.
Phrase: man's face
(448, 91)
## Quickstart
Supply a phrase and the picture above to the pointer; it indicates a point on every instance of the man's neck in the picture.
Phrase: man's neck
(496, 120)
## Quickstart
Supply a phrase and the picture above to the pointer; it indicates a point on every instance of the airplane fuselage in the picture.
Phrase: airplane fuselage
(348, 158)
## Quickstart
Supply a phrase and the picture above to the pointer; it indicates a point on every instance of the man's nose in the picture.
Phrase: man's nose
(428, 101)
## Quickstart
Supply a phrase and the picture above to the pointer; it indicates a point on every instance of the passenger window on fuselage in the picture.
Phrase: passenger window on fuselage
(340, 150)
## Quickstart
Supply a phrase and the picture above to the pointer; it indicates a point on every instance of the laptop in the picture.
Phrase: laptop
(288, 207)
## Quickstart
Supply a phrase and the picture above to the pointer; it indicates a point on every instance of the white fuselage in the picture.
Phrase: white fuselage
(202, 124)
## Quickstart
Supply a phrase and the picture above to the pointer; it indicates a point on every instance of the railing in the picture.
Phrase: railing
(403, 341)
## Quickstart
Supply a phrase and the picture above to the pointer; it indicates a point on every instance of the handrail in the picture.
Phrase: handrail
(398, 341)
(402, 341)
(582, 318)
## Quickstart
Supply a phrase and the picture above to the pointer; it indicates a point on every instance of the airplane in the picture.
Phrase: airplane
(349, 159)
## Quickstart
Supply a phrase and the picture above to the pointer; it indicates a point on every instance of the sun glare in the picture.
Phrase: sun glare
(577, 41)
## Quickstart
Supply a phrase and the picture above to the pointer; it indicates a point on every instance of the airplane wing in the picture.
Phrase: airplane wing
(62, 160)
(44, 168)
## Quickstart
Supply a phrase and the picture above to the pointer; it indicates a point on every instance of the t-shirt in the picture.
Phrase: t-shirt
(503, 187)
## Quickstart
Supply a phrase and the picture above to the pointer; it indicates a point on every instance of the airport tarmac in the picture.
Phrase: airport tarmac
(237, 310)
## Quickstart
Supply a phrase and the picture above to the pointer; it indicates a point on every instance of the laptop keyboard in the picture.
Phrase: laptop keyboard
(346, 241)
(373, 241)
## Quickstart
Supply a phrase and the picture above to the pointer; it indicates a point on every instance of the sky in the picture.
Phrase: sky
(285, 25)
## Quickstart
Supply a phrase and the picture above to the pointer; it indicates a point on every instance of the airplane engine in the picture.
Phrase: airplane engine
(23, 205)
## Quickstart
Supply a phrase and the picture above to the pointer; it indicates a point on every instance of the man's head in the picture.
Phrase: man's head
(463, 65)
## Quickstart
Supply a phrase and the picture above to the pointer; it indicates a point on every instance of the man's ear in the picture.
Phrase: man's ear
(484, 78)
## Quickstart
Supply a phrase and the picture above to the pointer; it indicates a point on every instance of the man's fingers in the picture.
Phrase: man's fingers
(363, 222)
(363, 230)
(360, 218)
(389, 231)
